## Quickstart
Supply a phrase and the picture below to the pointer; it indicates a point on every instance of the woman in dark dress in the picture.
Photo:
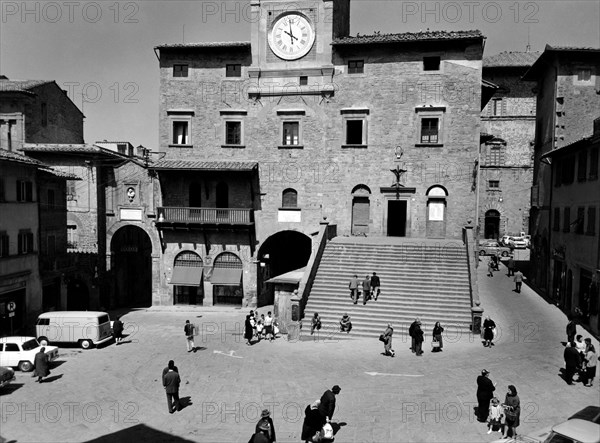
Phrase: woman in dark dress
(248, 330)
(312, 422)
(437, 336)
(118, 330)
(488, 331)
(512, 411)
(42, 366)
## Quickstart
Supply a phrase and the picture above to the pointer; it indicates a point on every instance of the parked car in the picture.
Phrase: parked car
(517, 242)
(492, 248)
(582, 427)
(504, 240)
(528, 240)
(6, 376)
(19, 352)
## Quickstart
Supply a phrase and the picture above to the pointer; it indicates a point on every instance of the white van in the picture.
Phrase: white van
(85, 328)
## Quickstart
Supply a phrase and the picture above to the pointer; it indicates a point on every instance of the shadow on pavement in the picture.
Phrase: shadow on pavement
(138, 433)
(9, 389)
(184, 402)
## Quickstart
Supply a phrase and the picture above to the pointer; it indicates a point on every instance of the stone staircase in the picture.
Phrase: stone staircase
(419, 278)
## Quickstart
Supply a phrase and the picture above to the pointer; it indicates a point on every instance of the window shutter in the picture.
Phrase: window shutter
(503, 109)
(28, 191)
(19, 191)
(30, 242)
(490, 110)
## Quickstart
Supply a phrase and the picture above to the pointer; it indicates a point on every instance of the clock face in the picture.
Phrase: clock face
(291, 37)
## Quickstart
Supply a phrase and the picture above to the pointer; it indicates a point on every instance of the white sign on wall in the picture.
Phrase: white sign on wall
(436, 211)
(131, 214)
(289, 216)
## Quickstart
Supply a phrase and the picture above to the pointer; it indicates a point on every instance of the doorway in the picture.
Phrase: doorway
(396, 220)
(492, 224)
(361, 208)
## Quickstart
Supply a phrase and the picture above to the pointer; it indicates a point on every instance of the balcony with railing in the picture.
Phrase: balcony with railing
(171, 215)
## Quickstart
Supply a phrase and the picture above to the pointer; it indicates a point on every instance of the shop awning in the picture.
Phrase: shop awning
(186, 276)
(226, 277)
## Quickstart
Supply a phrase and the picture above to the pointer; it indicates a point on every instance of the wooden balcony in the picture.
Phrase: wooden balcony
(171, 215)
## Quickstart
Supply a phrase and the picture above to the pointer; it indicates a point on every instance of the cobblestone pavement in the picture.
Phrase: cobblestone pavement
(115, 393)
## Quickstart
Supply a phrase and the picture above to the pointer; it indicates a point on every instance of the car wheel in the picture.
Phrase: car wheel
(25, 366)
(43, 341)
(86, 344)
(482, 252)
(504, 254)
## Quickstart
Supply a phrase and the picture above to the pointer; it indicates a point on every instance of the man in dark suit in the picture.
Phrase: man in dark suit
(375, 286)
(572, 361)
(411, 333)
(172, 366)
(171, 382)
(485, 393)
(327, 406)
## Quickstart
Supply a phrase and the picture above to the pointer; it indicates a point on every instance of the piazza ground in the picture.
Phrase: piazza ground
(115, 393)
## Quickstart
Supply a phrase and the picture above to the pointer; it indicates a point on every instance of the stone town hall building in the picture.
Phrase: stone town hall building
(262, 140)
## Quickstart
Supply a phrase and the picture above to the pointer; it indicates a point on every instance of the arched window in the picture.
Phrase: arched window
(228, 260)
(188, 259)
(289, 198)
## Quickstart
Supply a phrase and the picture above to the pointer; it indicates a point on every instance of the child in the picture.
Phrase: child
(260, 327)
(495, 416)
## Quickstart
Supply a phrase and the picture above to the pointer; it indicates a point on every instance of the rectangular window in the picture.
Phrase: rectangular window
(495, 155)
(51, 201)
(356, 66)
(24, 191)
(44, 114)
(556, 224)
(354, 132)
(25, 242)
(580, 220)
(582, 166)
(180, 70)
(233, 70)
(593, 164)
(180, 133)
(71, 190)
(494, 184)
(71, 236)
(4, 240)
(303, 80)
(429, 130)
(584, 75)
(567, 220)
(497, 106)
(291, 133)
(568, 170)
(233, 133)
(51, 246)
(431, 63)
(591, 224)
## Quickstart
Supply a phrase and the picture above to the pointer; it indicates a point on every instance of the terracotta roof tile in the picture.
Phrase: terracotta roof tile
(203, 165)
(408, 37)
(21, 85)
(511, 59)
(18, 158)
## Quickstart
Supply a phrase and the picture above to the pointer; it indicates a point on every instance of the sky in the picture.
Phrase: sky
(101, 52)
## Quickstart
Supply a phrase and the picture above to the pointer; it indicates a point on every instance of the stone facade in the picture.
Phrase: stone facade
(334, 172)
(507, 155)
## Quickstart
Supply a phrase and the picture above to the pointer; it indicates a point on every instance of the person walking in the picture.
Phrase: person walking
(269, 327)
(265, 419)
(312, 422)
(375, 286)
(366, 287)
(327, 405)
(42, 365)
(345, 324)
(488, 332)
(418, 333)
(511, 266)
(572, 361)
(518, 279)
(411, 333)
(437, 337)
(118, 330)
(170, 365)
(188, 329)
(571, 329)
(171, 382)
(387, 341)
(353, 285)
(485, 393)
(591, 361)
(315, 323)
(261, 435)
(490, 268)
(512, 411)
(248, 330)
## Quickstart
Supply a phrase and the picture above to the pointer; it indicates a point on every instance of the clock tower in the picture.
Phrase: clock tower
(295, 34)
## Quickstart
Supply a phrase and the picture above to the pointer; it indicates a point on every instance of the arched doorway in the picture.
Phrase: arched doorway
(78, 295)
(131, 267)
(436, 212)
(187, 279)
(227, 279)
(282, 252)
(492, 224)
(361, 210)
